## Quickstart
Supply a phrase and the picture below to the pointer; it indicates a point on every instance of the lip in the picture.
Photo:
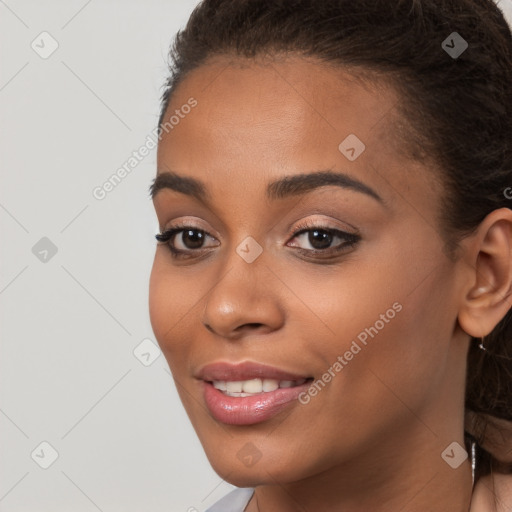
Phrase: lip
(246, 370)
(250, 410)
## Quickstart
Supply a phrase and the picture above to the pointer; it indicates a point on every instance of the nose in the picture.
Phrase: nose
(245, 300)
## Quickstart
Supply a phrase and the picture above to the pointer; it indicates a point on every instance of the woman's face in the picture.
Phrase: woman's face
(285, 277)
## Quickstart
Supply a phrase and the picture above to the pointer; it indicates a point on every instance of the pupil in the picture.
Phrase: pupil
(191, 241)
(322, 242)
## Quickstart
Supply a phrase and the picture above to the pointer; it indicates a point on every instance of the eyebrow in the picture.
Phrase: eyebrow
(279, 189)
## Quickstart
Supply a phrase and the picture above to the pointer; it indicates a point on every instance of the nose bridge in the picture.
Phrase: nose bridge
(243, 293)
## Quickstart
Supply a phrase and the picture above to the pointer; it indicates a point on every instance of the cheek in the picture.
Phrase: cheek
(404, 362)
(159, 299)
(169, 305)
(393, 324)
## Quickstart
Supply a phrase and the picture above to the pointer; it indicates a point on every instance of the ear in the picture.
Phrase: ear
(487, 294)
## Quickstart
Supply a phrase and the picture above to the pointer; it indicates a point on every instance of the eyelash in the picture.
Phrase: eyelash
(350, 239)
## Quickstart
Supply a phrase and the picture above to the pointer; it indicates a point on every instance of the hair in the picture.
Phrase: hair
(457, 112)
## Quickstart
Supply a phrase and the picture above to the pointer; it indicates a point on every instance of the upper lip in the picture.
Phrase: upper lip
(245, 370)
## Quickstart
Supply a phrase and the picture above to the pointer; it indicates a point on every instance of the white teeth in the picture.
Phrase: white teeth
(253, 386)
(220, 384)
(234, 386)
(270, 385)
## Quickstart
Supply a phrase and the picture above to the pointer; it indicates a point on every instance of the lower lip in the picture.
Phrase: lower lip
(249, 410)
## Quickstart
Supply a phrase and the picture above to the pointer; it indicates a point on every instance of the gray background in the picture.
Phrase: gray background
(70, 321)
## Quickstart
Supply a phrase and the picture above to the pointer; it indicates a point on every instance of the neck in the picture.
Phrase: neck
(409, 474)
(400, 469)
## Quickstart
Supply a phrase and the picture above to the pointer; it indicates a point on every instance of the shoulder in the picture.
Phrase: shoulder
(493, 493)
(235, 501)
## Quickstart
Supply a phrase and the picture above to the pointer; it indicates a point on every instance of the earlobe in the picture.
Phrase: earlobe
(487, 291)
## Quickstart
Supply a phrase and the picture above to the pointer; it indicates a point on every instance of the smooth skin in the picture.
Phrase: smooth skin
(372, 438)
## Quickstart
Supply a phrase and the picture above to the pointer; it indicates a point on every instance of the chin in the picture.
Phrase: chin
(240, 479)
(230, 466)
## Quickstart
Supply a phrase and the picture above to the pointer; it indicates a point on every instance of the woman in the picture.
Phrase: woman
(331, 287)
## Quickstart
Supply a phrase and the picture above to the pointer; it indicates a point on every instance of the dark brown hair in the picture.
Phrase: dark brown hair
(457, 111)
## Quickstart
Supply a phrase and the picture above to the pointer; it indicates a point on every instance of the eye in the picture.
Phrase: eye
(182, 240)
(324, 241)
(185, 240)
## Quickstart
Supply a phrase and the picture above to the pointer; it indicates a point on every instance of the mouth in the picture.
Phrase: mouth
(223, 371)
(252, 387)
(248, 393)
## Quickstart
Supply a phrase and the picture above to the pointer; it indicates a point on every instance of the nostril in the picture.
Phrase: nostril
(254, 324)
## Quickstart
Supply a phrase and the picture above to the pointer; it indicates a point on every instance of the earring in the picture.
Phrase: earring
(481, 345)
(473, 462)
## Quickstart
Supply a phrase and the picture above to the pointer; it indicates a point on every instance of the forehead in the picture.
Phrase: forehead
(258, 120)
(300, 98)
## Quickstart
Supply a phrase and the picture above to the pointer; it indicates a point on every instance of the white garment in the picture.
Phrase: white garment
(235, 501)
